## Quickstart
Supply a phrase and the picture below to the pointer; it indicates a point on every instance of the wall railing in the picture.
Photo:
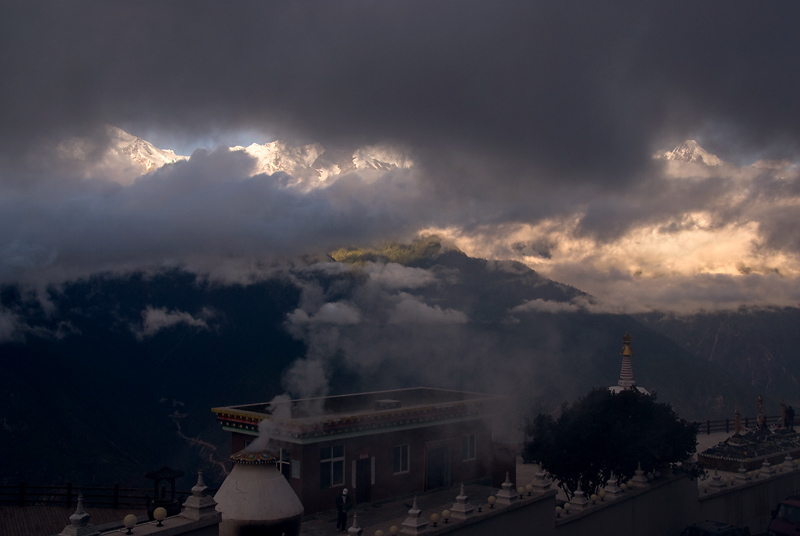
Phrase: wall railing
(114, 496)
(728, 426)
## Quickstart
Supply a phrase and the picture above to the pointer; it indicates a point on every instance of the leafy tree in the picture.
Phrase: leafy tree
(606, 433)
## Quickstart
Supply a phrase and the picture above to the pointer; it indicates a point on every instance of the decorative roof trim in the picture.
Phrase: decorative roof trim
(332, 423)
(297, 440)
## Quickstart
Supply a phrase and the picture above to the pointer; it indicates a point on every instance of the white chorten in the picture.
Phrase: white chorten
(256, 498)
(626, 374)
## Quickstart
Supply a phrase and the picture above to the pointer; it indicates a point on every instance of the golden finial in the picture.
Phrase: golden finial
(626, 349)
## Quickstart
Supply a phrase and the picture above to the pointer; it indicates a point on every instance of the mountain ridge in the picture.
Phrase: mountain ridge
(315, 162)
(441, 318)
(690, 151)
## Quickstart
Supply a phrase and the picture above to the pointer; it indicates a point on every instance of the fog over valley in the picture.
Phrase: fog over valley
(208, 204)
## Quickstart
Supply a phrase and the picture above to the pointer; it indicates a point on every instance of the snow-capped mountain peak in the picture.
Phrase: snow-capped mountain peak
(140, 151)
(277, 156)
(380, 157)
(315, 162)
(690, 151)
(114, 154)
(310, 165)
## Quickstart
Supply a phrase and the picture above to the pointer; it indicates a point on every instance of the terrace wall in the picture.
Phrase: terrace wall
(665, 507)
(749, 504)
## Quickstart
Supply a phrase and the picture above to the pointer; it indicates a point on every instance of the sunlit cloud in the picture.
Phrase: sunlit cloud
(502, 148)
(155, 319)
(721, 256)
(411, 310)
(337, 313)
(396, 276)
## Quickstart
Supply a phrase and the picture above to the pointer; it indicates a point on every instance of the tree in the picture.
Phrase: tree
(606, 433)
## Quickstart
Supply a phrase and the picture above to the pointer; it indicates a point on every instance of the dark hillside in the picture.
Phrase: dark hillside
(115, 375)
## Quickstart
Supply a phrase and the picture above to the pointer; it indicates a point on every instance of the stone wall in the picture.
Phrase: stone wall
(664, 507)
(528, 515)
(174, 526)
(750, 503)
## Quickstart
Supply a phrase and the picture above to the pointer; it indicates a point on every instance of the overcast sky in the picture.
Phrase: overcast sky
(532, 126)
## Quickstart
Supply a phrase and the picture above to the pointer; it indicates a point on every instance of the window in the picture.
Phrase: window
(295, 468)
(331, 471)
(468, 447)
(285, 463)
(789, 513)
(401, 459)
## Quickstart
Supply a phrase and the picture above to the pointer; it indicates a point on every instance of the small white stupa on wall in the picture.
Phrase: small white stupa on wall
(626, 380)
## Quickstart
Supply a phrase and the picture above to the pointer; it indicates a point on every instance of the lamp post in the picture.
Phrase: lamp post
(129, 521)
(159, 514)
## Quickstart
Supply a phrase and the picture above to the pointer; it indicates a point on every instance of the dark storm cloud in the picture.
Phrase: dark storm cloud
(529, 123)
(655, 201)
(556, 91)
(205, 214)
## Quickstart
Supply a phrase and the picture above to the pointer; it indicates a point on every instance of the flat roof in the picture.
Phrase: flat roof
(412, 397)
(360, 412)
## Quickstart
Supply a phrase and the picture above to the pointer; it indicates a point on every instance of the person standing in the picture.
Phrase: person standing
(342, 506)
(784, 420)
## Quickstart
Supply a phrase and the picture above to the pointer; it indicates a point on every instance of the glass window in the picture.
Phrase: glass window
(401, 453)
(331, 471)
(325, 475)
(789, 513)
(285, 463)
(468, 447)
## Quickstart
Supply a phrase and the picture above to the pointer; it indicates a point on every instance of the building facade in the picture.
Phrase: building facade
(379, 445)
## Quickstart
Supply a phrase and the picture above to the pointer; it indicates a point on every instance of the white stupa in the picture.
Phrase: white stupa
(256, 498)
(626, 380)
